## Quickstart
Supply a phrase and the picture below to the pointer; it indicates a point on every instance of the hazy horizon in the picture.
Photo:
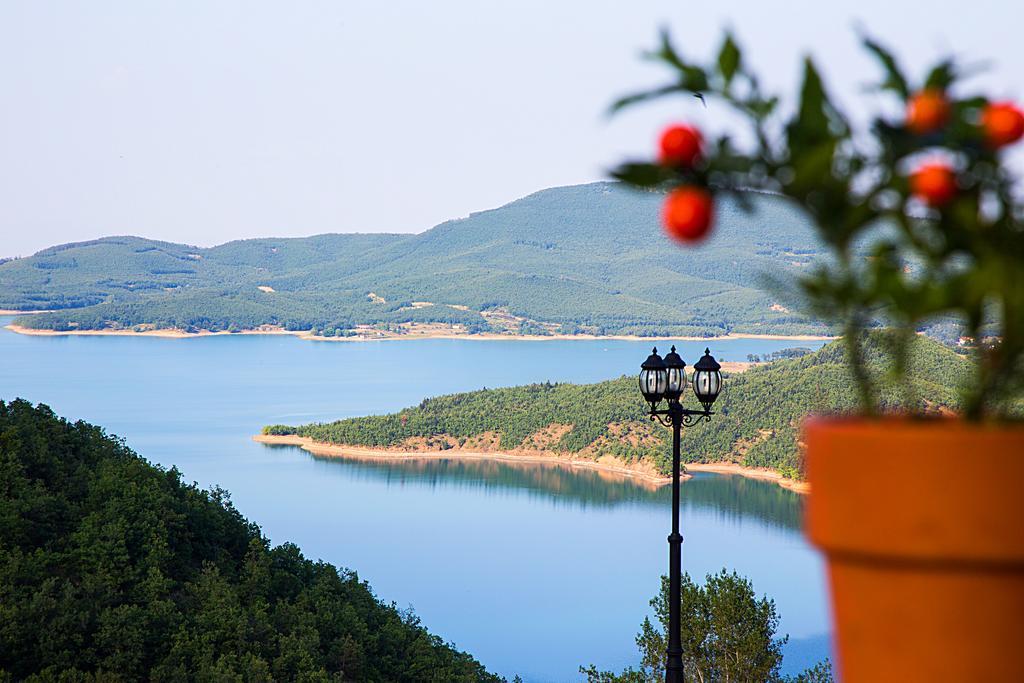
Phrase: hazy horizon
(328, 232)
(203, 123)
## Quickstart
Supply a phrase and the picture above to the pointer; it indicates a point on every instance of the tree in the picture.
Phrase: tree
(921, 212)
(728, 636)
(819, 673)
(727, 633)
(115, 569)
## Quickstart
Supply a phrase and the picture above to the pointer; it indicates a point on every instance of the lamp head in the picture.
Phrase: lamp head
(676, 379)
(653, 378)
(707, 379)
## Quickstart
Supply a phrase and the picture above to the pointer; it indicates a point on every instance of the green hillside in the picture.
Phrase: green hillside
(587, 258)
(112, 569)
(758, 413)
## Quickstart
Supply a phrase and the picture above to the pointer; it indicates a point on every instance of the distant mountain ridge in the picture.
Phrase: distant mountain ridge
(587, 258)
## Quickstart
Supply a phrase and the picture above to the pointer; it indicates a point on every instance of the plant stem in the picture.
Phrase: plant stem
(904, 338)
(855, 354)
(974, 398)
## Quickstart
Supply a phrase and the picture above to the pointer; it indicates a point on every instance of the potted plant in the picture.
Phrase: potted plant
(921, 518)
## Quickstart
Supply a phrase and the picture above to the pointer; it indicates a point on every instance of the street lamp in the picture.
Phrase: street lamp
(665, 379)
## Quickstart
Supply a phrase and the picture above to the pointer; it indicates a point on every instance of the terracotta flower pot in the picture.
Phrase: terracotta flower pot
(922, 524)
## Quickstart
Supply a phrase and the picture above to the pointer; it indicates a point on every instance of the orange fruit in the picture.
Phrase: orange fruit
(927, 111)
(688, 213)
(935, 184)
(680, 145)
(1003, 124)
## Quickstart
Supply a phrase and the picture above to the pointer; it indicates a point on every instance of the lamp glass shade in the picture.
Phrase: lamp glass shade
(676, 378)
(653, 378)
(707, 379)
(707, 384)
(653, 384)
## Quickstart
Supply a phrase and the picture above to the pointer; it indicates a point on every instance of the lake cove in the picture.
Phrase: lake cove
(535, 569)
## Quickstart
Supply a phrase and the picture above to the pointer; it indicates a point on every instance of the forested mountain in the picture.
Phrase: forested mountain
(113, 569)
(587, 258)
(756, 424)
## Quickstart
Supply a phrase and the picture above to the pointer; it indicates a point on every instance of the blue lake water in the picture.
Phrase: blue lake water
(535, 569)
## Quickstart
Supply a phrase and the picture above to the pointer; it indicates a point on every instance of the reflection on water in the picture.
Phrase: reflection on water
(535, 569)
(731, 497)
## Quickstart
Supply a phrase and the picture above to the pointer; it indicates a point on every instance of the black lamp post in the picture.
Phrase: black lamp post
(665, 379)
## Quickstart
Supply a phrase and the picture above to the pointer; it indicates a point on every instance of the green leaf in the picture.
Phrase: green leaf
(761, 107)
(812, 176)
(942, 75)
(635, 98)
(811, 126)
(691, 77)
(813, 117)
(895, 80)
(666, 52)
(694, 79)
(641, 174)
(728, 59)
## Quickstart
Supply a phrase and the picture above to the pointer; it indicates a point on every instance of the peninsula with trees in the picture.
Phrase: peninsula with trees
(606, 426)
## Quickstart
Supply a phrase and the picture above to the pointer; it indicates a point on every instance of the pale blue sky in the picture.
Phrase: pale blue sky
(207, 121)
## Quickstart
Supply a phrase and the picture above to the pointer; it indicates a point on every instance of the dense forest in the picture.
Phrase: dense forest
(589, 258)
(757, 420)
(113, 569)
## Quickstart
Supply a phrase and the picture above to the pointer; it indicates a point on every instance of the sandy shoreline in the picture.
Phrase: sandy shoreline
(486, 336)
(728, 366)
(750, 472)
(163, 333)
(359, 452)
